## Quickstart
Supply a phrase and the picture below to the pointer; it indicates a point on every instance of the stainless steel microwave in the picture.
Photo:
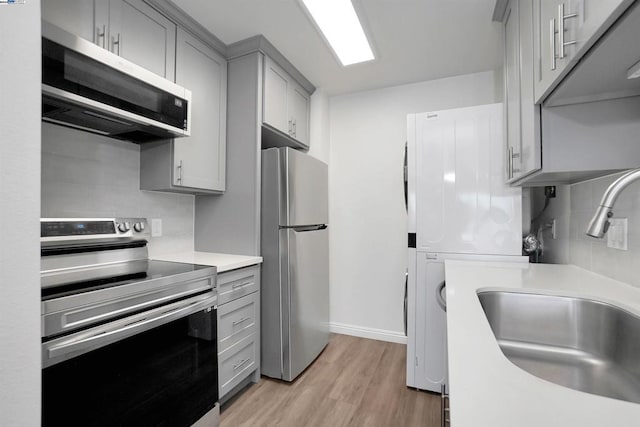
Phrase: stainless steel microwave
(89, 88)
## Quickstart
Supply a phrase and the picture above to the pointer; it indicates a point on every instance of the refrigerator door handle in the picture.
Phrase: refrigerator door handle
(406, 300)
(439, 298)
(302, 228)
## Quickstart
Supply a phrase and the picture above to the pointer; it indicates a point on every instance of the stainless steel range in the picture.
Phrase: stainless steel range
(125, 340)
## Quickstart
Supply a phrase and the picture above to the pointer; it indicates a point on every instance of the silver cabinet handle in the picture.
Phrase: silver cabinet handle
(295, 133)
(239, 285)
(552, 42)
(514, 170)
(509, 163)
(242, 320)
(100, 35)
(561, 18)
(179, 179)
(116, 42)
(290, 126)
(242, 362)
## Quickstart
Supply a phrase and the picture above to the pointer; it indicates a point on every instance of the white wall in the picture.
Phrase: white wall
(319, 126)
(19, 214)
(368, 231)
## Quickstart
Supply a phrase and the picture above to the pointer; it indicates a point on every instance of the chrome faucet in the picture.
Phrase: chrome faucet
(600, 222)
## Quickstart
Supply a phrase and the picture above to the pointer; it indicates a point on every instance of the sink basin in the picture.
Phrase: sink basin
(578, 343)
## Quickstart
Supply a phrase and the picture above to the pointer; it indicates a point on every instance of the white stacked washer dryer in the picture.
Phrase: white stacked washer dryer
(459, 207)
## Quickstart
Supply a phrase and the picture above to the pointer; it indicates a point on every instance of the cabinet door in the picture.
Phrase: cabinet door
(299, 113)
(199, 160)
(512, 89)
(276, 90)
(552, 58)
(530, 159)
(140, 34)
(74, 16)
(592, 15)
(431, 324)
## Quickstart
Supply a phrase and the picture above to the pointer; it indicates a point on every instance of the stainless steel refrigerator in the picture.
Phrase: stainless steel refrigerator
(295, 270)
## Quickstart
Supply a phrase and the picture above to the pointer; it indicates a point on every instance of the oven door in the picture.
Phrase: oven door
(156, 368)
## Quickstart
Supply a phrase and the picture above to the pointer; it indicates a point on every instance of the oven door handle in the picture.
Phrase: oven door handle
(66, 348)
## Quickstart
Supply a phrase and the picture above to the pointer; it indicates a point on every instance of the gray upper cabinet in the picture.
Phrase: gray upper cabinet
(522, 115)
(285, 104)
(129, 28)
(199, 161)
(565, 30)
(194, 164)
(74, 16)
(140, 34)
(299, 112)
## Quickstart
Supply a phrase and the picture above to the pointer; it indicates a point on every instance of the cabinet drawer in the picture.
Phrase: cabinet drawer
(238, 283)
(237, 320)
(236, 363)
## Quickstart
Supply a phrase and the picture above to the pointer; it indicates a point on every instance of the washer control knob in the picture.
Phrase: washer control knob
(123, 227)
(138, 226)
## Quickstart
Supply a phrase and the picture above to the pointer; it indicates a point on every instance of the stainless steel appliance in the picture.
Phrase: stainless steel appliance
(89, 88)
(295, 271)
(125, 340)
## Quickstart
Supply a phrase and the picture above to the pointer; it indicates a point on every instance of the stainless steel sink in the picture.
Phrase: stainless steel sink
(578, 343)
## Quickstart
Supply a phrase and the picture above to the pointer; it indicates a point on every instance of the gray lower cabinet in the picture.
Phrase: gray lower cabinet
(129, 28)
(238, 329)
(194, 164)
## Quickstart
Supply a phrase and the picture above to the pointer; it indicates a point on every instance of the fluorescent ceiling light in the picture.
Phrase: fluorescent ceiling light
(341, 27)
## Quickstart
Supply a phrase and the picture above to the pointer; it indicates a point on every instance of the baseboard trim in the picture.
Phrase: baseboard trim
(371, 333)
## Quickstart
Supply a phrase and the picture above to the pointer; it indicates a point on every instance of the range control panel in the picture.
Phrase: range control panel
(57, 229)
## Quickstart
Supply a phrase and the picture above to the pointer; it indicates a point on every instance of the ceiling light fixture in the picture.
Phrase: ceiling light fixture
(339, 23)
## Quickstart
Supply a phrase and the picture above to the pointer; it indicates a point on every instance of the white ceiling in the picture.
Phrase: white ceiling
(414, 40)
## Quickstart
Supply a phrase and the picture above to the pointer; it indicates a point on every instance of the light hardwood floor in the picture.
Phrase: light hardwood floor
(354, 382)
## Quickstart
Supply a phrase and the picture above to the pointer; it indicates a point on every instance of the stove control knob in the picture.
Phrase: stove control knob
(123, 227)
(138, 226)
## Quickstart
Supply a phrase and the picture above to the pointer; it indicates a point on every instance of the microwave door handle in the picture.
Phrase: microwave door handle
(109, 333)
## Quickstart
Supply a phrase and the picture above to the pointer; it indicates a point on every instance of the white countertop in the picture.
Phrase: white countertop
(486, 389)
(223, 262)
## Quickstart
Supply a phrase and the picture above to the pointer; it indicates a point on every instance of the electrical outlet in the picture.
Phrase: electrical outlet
(617, 233)
(156, 227)
(550, 191)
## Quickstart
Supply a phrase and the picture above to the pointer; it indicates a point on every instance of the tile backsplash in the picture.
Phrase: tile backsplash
(86, 175)
(593, 254)
(575, 206)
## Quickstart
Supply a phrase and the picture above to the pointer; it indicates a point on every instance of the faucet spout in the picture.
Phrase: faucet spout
(600, 222)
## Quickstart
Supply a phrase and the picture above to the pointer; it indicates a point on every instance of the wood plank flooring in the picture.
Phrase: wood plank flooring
(354, 382)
